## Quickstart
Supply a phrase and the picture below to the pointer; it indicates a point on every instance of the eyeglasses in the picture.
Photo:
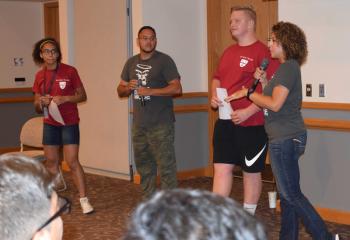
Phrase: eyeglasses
(148, 38)
(49, 51)
(65, 204)
(272, 40)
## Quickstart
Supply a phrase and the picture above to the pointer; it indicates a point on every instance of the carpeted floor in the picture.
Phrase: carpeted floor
(114, 201)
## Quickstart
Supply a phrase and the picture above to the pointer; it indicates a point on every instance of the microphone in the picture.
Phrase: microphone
(263, 66)
(142, 98)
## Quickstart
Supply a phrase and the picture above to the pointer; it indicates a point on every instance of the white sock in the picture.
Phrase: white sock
(250, 208)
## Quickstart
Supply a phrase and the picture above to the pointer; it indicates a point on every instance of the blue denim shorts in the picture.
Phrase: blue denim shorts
(61, 135)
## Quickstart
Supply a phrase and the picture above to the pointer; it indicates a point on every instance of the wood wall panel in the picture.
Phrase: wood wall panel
(51, 20)
(15, 90)
(326, 106)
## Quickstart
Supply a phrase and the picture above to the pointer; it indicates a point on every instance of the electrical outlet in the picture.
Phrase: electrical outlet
(308, 90)
(321, 92)
(20, 79)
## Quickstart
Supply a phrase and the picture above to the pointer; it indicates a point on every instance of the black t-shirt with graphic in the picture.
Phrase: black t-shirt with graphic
(154, 72)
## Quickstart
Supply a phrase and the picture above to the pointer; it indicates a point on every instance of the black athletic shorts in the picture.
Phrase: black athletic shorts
(242, 146)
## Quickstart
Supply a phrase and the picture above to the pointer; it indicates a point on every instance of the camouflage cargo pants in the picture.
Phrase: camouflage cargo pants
(154, 149)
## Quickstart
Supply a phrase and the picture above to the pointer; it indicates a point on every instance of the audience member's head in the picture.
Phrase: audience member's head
(192, 214)
(27, 200)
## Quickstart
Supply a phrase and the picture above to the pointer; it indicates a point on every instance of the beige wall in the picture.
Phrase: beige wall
(181, 28)
(66, 25)
(326, 26)
(99, 52)
(21, 25)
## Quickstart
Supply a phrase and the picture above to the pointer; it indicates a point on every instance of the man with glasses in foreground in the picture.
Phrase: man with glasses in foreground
(29, 208)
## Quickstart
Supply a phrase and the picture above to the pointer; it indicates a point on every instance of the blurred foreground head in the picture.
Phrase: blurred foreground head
(182, 214)
(27, 200)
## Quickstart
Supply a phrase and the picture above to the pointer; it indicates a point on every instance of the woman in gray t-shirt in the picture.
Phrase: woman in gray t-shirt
(285, 128)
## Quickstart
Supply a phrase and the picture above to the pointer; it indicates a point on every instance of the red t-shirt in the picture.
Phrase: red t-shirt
(236, 69)
(65, 83)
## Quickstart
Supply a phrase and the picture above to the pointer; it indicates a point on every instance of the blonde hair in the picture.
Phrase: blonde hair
(249, 10)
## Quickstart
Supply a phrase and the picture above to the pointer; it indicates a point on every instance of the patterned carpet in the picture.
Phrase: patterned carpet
(114, 201)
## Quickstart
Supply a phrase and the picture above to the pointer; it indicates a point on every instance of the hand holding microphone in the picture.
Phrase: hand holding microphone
(142, 98)
(263, 66)
(134, 86)
(261, 75)
(244, 92)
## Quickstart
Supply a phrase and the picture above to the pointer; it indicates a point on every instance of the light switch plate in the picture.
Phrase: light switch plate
(308, 90)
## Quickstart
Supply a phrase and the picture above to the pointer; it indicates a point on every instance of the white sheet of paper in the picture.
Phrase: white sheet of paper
(225, 110)
(55, 113)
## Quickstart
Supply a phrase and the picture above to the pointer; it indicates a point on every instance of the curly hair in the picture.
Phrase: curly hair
(292, 39)
(38, 47)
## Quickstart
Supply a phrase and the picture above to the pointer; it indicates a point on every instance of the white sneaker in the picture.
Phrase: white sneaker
(86, 206)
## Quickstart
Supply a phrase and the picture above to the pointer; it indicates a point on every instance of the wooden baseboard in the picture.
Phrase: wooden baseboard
(334, 215)
(17, 100)
(9, 149)
(328, 214)
(182, 175)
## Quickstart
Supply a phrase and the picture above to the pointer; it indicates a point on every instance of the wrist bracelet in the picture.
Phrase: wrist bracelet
(250, 91)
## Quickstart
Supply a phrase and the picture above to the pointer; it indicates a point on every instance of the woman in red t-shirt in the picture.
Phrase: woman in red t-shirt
(58, 89)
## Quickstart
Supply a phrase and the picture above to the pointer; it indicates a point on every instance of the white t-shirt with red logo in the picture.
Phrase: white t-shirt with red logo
(65, 83)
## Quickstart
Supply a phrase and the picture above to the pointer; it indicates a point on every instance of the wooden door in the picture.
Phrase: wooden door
(219, 37)
(51, 20)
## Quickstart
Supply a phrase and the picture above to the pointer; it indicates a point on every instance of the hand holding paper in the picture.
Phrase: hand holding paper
(55, 113)
(225, 109)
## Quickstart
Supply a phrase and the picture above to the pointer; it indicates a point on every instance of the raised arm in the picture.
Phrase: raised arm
(274, 102)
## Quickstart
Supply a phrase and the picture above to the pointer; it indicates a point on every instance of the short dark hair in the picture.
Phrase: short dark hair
(25, 191)
(39, 45)
(146, 27)
(292, 39)
(182, 214)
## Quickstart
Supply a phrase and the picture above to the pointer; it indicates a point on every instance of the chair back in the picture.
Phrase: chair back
(32, 132)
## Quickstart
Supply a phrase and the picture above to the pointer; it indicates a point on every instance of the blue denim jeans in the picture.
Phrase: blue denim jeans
(284, 156)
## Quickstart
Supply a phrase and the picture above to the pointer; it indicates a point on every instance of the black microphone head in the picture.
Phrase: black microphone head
(264, 64)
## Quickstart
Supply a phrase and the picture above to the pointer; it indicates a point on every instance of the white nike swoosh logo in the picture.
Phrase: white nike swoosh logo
(253, 160)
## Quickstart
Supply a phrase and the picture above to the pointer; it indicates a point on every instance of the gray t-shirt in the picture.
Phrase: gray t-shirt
(154, 72)
(288, 121)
